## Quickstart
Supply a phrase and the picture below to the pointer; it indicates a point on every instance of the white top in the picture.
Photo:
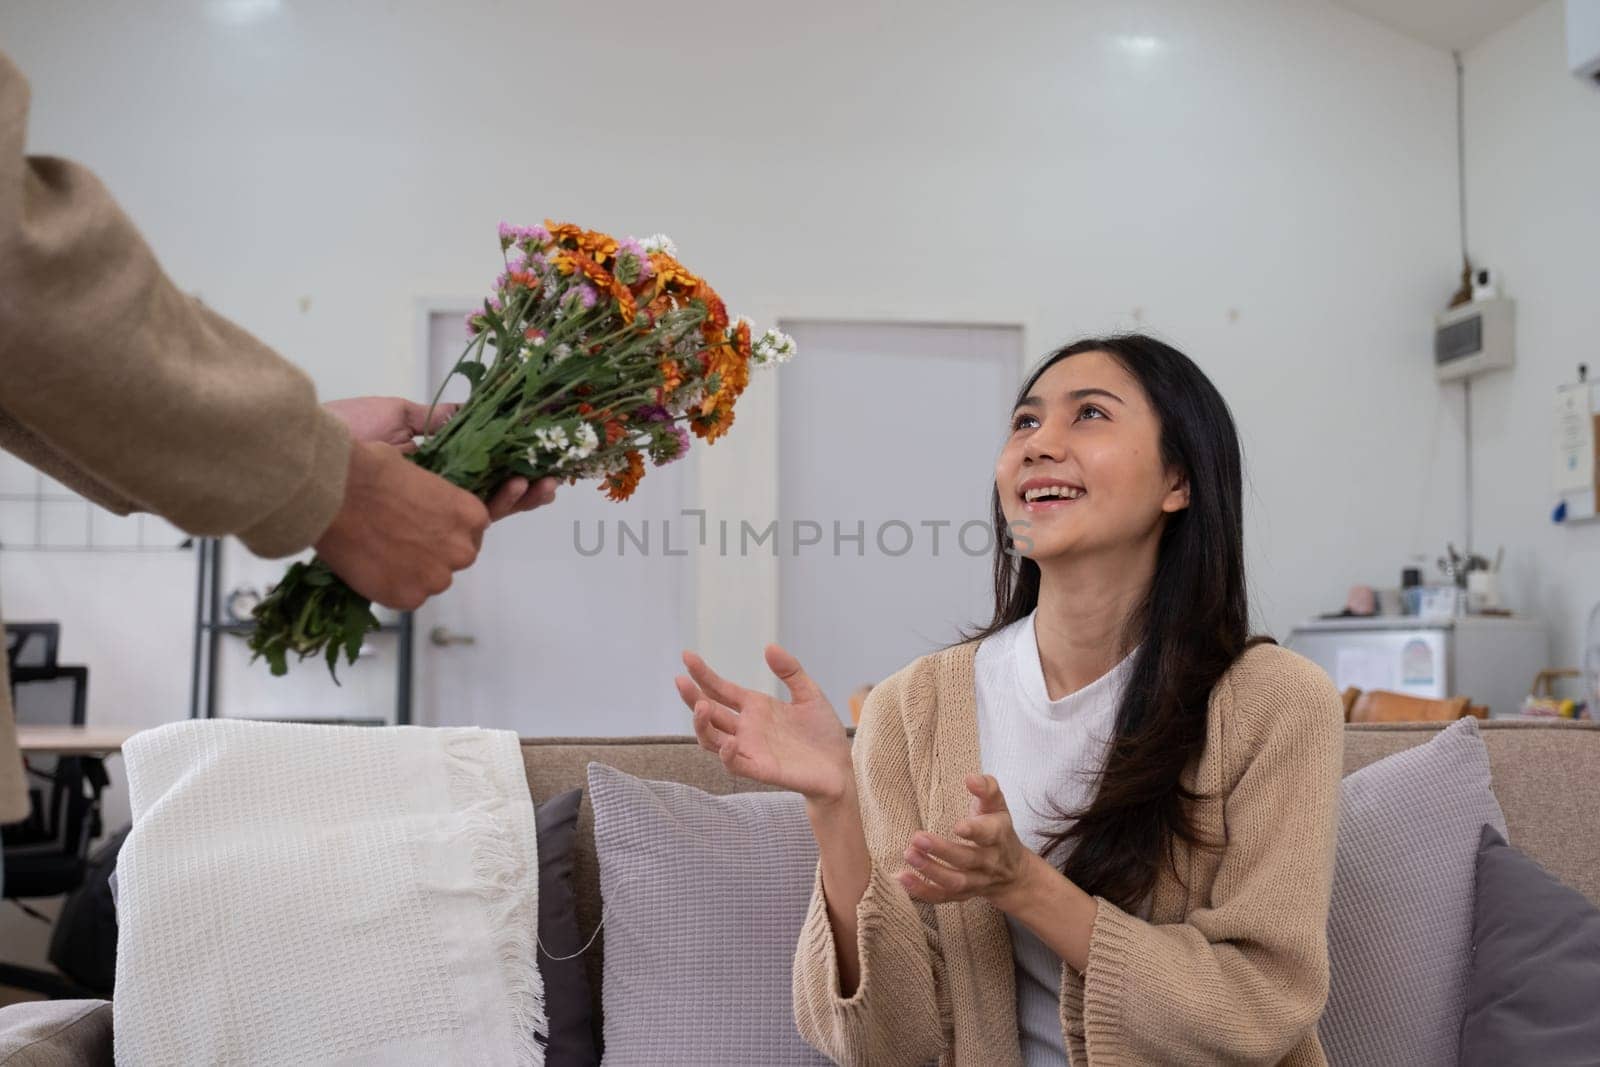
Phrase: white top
(1046, 755)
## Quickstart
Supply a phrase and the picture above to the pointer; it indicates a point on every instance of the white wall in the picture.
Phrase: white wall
(1533, 153)
(1268, 184)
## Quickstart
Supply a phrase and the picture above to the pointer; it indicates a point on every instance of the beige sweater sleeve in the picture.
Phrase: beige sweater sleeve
(127, 389)
(894, 1016)
(1246, 977)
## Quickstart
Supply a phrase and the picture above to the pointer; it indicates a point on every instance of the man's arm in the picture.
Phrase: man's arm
(142, 397)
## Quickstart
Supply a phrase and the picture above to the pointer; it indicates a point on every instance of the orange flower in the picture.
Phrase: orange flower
(598, 245)
(601, 279)
(614, 432)
(711, 425)
(730, 363)
(671, 375)
(672, 276)
(716, 321)
(620, 486)
(525, 278)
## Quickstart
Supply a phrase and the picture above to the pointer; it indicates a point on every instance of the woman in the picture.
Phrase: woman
(1101, 830)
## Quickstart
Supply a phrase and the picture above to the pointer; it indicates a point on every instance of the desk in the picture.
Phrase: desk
(73, 740)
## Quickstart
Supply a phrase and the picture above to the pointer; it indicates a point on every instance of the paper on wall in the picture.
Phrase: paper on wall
(1574, 438)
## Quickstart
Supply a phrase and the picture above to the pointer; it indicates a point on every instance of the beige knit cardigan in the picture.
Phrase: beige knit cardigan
(1232, 964)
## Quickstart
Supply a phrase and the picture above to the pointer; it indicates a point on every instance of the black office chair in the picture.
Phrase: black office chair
(32, 644)
(47, 854)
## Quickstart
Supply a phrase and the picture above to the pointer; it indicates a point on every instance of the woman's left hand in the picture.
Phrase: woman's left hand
(984, 858)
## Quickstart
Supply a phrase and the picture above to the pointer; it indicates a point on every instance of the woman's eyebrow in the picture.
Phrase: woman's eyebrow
(1076, 394)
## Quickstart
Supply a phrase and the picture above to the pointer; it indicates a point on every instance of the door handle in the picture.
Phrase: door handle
(443, 637)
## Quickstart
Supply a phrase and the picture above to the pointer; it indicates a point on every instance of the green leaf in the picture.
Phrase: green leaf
(472, 371)
(358, 619)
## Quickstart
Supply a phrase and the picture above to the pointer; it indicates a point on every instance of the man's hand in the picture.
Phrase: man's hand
(401, 532)
(390, 420)
(393, 420)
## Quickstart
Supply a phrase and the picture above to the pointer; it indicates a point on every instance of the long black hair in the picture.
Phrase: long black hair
(1190, 628)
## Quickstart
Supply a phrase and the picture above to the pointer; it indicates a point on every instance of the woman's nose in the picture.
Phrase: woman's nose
(1044, 443)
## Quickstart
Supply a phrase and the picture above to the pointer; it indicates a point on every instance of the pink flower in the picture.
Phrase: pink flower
(633, 263)
(682, 437)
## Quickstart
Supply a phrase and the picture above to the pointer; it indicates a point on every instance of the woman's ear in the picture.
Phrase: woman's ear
(1177, 498)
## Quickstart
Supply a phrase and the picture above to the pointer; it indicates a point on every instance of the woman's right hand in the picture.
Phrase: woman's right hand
(798, 744)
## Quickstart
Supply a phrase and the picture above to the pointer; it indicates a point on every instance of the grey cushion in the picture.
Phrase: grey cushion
(1534, 991)
(704, 899)
(1400, 923)
(566, 983)
(56, 1033)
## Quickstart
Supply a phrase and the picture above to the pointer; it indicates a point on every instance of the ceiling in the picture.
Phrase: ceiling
(1447, 24)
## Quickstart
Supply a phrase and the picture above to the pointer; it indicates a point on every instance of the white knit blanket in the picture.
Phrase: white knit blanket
(327, 895)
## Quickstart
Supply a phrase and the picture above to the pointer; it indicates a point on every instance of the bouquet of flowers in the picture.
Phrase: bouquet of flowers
(591, 355)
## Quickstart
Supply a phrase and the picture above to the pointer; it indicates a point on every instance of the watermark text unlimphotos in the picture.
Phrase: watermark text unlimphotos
(695, 531)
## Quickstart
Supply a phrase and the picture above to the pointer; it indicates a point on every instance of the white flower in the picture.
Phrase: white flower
(772, 347)
(551, 438)
(586, 441)
(660, 242)
(562, 351)
(688, 396)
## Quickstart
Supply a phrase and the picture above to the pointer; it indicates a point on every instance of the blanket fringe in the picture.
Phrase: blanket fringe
(504, 861)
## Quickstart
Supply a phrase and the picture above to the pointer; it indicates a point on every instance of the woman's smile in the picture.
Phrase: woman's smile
(1041, 495)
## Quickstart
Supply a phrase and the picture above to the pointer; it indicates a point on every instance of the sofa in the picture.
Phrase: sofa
(1543, 774)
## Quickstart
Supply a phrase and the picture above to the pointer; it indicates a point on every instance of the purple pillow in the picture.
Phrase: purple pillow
(566, 984)
(1533, 995)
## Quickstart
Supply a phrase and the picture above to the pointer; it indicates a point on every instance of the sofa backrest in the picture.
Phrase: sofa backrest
(1545, 774)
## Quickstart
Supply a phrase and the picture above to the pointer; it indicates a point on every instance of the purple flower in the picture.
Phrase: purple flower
(633, 263)
(680, 437)
(474, 324)
(508, 233)
(668, 443)
(532, 238)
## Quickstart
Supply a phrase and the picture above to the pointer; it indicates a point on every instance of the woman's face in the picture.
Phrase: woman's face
(1081, 472)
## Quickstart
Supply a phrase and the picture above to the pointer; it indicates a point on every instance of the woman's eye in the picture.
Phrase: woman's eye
(1090, 411)
(1023, 422)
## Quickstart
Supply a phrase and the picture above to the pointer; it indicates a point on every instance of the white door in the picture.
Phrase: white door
(547, 635)
(890, 432)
